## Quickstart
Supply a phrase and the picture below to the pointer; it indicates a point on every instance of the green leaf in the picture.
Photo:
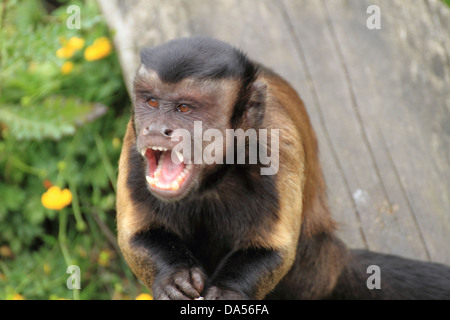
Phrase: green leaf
(11, 198)
(53, 118)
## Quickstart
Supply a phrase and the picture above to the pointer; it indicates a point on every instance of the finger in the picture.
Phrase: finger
(198, 279)
(159, 294)
(174, 293)
(162, 296)
(185, 286)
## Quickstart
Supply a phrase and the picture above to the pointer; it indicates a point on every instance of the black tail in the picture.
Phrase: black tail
(399, 278)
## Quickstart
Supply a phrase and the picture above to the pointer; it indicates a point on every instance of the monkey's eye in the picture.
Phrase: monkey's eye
(183, 108)
(153, 103)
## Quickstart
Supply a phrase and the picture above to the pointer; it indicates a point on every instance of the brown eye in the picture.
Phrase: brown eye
(153, 103)
(183, 108)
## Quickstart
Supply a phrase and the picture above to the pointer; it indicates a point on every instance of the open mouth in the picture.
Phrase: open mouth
(163, 173)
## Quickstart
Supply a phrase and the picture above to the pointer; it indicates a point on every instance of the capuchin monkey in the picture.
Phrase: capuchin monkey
(192, 228)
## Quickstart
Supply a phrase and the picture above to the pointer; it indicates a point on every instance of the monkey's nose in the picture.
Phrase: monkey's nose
(156, 129)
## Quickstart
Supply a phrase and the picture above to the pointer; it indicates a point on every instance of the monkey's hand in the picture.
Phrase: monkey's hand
(179, 284)
(216, 293)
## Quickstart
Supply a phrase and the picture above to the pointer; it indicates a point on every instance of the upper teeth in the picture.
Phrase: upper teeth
(159, 148)
(144, 150)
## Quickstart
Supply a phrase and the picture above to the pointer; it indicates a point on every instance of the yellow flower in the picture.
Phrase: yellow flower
(17, 296)
(65, 52)
(144, 296)
(69, 47)
(56, 199)
(98, 50)
(67, 67)
(75, 43)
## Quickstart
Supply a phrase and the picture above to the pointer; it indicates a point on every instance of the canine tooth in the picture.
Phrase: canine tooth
(179, 156)
(143, 152)
(189, 166)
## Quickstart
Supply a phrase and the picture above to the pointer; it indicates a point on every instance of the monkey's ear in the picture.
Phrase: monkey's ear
(256, 105)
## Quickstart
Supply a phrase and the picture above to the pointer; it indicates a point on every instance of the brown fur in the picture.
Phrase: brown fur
(239, 234)
(299, 181)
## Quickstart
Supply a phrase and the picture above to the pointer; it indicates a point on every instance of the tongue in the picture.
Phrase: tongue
(169, 170)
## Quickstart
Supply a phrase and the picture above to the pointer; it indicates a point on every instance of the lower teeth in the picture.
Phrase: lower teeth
(172, 186)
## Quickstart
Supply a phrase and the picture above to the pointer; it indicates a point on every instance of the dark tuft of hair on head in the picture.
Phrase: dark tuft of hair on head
(199, 58)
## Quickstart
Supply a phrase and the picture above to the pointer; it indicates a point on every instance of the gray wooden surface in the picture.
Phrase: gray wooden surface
(379, 99)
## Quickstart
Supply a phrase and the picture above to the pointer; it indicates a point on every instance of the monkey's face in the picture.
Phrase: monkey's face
(169, 120)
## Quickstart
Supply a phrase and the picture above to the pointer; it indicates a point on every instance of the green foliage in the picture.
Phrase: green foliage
(38, 99)
(64, 129)
(54, 117)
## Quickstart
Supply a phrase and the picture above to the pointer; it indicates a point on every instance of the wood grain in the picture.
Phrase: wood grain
(378, 99)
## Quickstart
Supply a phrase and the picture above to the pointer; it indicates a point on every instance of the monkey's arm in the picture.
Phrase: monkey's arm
(246, 274)
(166, 265)
(156, 256)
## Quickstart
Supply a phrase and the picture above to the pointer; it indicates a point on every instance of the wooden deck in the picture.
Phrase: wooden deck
(379, 99)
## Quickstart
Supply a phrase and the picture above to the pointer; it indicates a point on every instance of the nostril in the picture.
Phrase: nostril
(156, 130)
(167, 132)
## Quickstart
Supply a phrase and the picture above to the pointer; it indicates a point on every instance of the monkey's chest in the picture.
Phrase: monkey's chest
(209, 248)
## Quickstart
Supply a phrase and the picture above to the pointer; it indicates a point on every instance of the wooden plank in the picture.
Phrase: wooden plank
(348, 132)
(386, 161)
(402, 103)
(440, 16)
(340, 196)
